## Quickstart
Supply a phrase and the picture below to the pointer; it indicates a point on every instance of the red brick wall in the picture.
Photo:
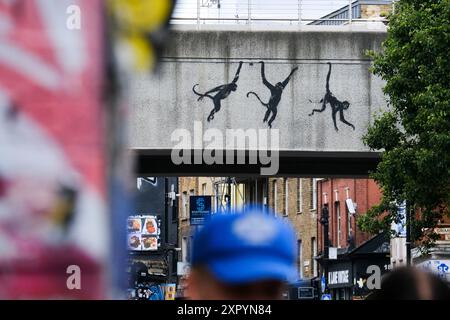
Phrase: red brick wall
(364, 192)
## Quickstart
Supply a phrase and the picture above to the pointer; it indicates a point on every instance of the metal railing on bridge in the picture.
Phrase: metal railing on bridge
(300, 12)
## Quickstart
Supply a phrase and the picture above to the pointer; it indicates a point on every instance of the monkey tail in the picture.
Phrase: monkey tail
(251, 92)
(201, 95)
(197, 93)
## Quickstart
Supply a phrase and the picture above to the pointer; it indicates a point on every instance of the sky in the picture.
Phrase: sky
(273, 9)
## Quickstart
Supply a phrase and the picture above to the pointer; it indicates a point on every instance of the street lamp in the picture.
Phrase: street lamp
(228, 195)
(326, 241)
(169, 248)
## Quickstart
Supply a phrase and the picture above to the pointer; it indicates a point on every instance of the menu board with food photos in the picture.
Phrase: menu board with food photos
(143, 233)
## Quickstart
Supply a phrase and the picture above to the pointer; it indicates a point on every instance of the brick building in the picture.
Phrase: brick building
(295, 199)
(190, 186)
(299, 200)
(217, 188)
(345, 271)
(343, 232)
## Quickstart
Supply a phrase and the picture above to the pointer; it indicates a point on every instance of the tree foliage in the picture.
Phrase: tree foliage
(414, 134)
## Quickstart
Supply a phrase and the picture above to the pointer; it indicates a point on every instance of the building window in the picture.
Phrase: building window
(189, 248)
(349, 223)
(203, 189)
(184, 206)
(217, 198)
(337, 208)
(286, 197)
(313, 204)
(300, 259)
(184, 249)
(314, 254)
(275, 197)
(299, 195)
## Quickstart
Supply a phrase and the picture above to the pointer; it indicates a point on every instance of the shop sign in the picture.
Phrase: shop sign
(183, 268)
(439, 267)
(442, 230)
(332, 253)
(305, 293)
(339, 277)
(143, 233)
(400, 226)
(200, 209)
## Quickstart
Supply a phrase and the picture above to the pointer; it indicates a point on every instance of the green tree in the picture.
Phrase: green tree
(414, 134)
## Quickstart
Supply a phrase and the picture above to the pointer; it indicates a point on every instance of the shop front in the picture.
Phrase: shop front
(353, 274)
(367, 273)
(152, 241)
(437, 259)
(370, 262)
(340, 275)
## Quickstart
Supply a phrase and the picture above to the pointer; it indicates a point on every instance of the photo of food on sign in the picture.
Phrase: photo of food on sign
(150, 226)
(134, 242)
(134, 225)
(143, 233)
(149, 243)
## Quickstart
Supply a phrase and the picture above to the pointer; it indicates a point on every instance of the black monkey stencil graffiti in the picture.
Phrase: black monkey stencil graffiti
(275, 95)
(336, 105)
(223, 91)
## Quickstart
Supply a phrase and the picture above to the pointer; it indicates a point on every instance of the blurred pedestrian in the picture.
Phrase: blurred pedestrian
(411, 284)
(247, 255)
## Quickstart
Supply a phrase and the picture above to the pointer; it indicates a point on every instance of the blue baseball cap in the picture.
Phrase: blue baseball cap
(246, 247)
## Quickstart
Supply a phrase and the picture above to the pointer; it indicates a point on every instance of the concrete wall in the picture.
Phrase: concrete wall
(165, 101)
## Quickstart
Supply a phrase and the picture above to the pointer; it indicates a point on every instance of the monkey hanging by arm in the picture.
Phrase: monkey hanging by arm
(275, 95)
(223, 91)
(275, 98)
(325, 99)
(336, 105)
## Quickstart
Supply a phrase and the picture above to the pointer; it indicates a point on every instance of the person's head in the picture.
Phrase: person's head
(411, 284)
(248, 255)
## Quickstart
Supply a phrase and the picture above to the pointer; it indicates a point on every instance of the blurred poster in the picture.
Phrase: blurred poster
(170, 290)
(52, 163)
(441, 268)
(140, 29)
(399, 226)
(143, 233)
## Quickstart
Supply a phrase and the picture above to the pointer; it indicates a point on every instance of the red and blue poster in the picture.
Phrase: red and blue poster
(53, 221)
